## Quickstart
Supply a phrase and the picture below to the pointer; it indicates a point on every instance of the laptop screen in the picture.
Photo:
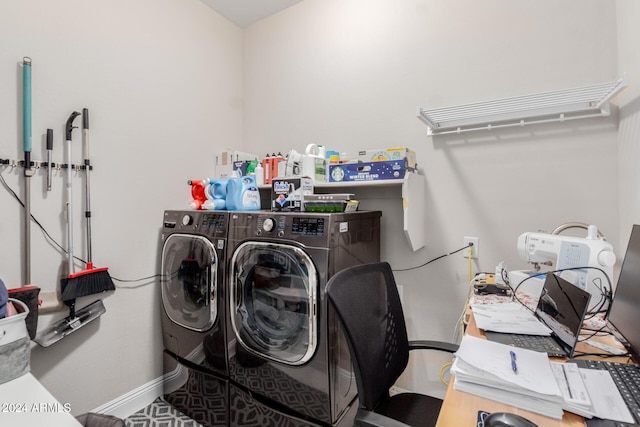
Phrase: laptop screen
(562, 307)
(624, 314)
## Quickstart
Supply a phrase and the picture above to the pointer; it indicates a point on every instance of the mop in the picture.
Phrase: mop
(71, 286)
(28, 293)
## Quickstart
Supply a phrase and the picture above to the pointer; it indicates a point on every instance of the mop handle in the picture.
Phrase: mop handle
(69, 129)
(28, 172)
(26, 104)
(87, 165)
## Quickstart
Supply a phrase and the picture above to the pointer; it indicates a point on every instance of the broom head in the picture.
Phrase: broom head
(86, 282)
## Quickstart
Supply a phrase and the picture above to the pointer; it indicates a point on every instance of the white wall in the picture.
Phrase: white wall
(349, 74)
(162, 82)
(628, 148)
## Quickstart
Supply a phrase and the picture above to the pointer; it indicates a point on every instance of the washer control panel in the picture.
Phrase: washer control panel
(308, 226)
(296, 225)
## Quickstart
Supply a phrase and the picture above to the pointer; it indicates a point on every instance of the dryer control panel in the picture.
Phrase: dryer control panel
(213, 224)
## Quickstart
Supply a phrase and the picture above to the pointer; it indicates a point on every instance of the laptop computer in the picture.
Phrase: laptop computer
(562, 308)
(624, 317)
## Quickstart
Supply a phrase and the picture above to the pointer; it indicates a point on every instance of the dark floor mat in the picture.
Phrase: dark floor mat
(159, 414)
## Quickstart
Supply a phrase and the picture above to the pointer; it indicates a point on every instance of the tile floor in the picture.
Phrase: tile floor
(159, 414)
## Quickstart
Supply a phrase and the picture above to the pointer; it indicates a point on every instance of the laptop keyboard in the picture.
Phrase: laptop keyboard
(626, 377)
(536, 342)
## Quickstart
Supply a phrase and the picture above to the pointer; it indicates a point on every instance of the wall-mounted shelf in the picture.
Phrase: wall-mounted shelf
(347, 184)
(554, 106)
(412, 194)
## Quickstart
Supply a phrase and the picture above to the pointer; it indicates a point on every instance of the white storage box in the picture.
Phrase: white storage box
(389, 154)
(15, 345)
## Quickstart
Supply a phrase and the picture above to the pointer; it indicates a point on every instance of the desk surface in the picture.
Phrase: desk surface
(461, 409)
(25, 402)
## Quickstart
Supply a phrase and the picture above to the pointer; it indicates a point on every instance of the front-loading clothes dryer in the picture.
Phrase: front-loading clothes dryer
(193, 295)
(289, 361)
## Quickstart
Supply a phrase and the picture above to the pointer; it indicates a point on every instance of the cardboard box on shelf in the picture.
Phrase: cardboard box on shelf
(226, 159)
(387, 154)
(245, 167)
(369, 171)
(287, 194)
(333, 202)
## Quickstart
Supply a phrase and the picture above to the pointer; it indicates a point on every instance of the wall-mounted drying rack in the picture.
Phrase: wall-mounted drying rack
(555, 106)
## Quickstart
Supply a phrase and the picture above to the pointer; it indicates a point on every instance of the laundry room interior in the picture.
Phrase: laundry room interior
(172, 85)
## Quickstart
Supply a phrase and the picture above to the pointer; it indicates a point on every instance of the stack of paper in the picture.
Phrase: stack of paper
(516, 377)
(591, 393)
(573, 389)
(511, 318)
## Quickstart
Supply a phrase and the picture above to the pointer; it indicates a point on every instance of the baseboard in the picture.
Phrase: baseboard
(134, 400)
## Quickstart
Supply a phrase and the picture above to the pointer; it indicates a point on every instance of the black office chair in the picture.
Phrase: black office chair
(366, 300)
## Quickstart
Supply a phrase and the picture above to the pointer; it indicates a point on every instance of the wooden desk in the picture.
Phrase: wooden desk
(461, 409)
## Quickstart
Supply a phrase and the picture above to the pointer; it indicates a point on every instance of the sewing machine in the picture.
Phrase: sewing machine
(585, 260)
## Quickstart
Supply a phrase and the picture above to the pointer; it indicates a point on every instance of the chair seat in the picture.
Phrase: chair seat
(411, 408)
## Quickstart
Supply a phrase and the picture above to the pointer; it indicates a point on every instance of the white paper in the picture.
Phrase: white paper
(606, 347)
(533, 373)
(508, 318)
(570, 383)
(574, 391)
(484, 368)
(607, 402)
(522, 401)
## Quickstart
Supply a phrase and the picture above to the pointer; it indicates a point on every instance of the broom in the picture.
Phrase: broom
(91, 280)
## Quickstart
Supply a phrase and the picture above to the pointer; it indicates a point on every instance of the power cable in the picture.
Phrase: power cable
(435, 259)
(63, 250)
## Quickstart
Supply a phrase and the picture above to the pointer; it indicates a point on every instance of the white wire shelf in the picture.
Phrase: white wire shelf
(568, 104)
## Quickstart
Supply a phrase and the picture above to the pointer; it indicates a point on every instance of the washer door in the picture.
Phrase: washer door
(273, 301)
(189, 281)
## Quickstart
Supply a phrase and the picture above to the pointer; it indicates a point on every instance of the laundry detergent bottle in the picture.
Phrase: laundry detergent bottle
(314, 163)
(243, 194)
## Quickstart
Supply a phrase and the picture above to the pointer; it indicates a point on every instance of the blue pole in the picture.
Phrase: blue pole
(26, 104)
(28, 172)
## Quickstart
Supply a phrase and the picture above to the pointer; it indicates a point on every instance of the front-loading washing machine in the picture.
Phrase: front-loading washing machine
(193, 289)
(289, 362)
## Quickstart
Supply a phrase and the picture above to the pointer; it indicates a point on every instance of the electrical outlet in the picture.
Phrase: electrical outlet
(475, 249)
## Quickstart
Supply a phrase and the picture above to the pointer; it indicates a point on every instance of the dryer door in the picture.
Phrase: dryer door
(273, 301)
(189, 281)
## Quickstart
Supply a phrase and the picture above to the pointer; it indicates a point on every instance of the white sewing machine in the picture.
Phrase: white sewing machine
(574, 255)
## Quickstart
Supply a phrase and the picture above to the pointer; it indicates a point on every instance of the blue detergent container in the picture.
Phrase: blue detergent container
(243, 194)
(218, 192)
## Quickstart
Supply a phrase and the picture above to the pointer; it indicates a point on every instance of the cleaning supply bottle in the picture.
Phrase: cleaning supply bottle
(218, 192)
(266, 167)
(251, 167)
(314, 163)
(243, 194)
(259, 172)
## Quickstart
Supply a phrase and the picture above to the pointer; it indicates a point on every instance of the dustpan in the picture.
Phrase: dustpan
(71, 323)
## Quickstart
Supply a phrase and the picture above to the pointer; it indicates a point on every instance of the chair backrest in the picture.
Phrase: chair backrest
(366, 300)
